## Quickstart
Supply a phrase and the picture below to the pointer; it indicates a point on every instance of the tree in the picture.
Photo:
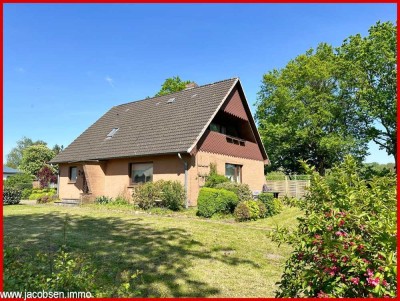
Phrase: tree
(58, 149)
(46, 176)
(171, 85)
(372, 81)
(14, 157)
(303, 113)
(34, 158)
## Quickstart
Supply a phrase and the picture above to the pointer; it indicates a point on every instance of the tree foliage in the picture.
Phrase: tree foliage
(14, 157)
(372, 81)
(34, 158)
(171, 85)
(330, 102)
(303, 113)
(46, 176)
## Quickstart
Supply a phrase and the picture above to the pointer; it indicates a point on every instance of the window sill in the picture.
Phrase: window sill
(72, 182)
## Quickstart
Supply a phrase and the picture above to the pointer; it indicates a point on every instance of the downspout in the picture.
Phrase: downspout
(186, 179)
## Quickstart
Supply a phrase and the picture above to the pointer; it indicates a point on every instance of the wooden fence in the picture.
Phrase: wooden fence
(290, 188)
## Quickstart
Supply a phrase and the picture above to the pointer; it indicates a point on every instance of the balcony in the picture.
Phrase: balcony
(218, 143)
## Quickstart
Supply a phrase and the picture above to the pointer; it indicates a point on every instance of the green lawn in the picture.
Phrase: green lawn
(179, 255)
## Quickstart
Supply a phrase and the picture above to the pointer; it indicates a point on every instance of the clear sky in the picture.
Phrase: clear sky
(65, 65)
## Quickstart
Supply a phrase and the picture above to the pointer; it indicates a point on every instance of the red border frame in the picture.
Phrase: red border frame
(185, 1)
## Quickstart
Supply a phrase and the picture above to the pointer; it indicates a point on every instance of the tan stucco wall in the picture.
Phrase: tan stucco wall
(252, 171)
(69, 190)
(111, 178)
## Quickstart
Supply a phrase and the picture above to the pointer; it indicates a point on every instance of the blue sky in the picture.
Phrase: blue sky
(66, 64)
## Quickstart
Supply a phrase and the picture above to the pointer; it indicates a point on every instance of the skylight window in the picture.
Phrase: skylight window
(112, 133)
(171, 100)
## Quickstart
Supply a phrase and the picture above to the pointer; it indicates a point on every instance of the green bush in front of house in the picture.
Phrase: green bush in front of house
(211, 201)
(272, 205)
(39, 193)
(249, 210)
(165, 194)
(242, 191)
(11, 196)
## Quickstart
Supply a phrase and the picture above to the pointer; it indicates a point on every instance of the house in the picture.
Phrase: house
(170, 137)
(8, 172)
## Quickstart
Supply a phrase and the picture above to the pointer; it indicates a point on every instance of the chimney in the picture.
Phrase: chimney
(191, 86)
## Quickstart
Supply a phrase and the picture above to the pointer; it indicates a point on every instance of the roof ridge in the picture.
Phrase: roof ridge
(150, 98)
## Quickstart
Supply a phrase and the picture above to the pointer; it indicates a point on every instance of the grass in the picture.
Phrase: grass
(180, 255)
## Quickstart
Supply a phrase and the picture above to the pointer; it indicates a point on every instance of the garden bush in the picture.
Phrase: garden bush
(272, 205)
(119, 200)
(11, 196)
(242, 191)
(61, 272)
(214, 179)
(46, 199)
(19, 181)
(102, 200)
(345, 245)
(249, 210)
(171, 195)
(38, 193)
(211, 201)
(26, 193)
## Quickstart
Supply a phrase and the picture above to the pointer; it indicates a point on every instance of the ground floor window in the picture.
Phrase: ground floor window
(233, 172)
(72, 174)
(141, 173)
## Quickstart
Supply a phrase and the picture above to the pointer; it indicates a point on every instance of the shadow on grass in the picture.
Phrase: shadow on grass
(164, 255)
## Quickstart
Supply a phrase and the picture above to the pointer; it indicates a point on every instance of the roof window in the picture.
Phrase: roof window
(171, 100)
(112, 133)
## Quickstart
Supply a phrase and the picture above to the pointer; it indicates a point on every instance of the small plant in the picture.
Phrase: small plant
(211, 201)
(102, 200)
(242, 191)
(11, 196)
(44, 199)
(214, 179)
(119, 200)
(242, 212)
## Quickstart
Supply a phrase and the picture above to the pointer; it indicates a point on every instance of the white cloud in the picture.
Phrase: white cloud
(110, 81)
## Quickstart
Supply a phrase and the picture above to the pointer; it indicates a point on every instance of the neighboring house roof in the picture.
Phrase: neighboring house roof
(10, 170)
(172, 123)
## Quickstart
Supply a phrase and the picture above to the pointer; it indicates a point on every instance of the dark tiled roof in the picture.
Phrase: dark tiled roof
(150, 126)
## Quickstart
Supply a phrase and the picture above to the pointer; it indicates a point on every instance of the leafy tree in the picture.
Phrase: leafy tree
(171, 85)
(14, 157)
(46, 176)
(34, 158)
(58, 149)
(304, 114)
(372, 81)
